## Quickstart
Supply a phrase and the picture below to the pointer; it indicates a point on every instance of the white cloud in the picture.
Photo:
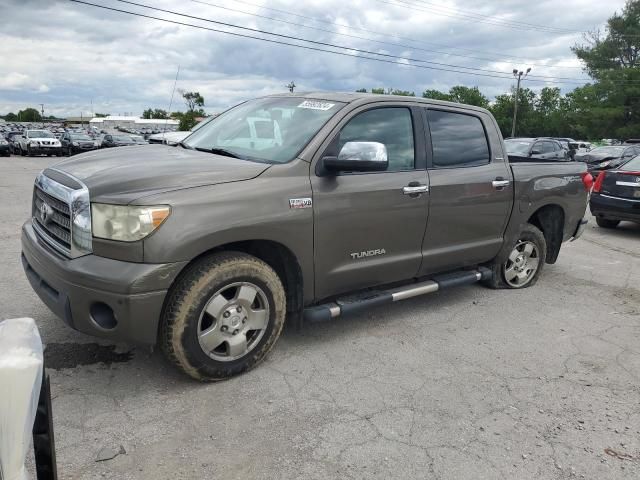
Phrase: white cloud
(71, 56)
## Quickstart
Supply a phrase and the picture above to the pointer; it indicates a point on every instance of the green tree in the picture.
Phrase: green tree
(29, 115)
(379, 91)
(192, 100)
(612, 60)
(155, 113)
(11, 117)
(468, 96)
(402, 93)
(436, 95)
(361, 90)
(187, 121)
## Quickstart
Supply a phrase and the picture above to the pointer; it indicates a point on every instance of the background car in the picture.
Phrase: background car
(5, 149)
(616, 195)
(138, 140)
(608, 157)
(110, 140)
(73, 143)
(542, 148)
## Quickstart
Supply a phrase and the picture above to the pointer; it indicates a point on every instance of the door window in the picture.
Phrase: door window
(547, 147)
(458, 140)
(391, 126)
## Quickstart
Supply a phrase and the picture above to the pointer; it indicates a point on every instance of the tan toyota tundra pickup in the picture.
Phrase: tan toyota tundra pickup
(291, 208)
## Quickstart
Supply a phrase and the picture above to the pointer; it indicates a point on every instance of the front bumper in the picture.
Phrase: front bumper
(615, 208)
(81, 149)
(48, 149)
(120, 301)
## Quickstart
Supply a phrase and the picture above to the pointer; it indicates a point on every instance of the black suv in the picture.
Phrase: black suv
(73, 143)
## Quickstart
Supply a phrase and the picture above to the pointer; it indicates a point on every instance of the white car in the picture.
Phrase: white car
(37, 142)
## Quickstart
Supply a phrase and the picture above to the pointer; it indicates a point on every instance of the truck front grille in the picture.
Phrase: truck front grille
(61, 216)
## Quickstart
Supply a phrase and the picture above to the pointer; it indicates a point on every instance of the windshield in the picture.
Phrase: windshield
(80, 137)
(632, 165)
(39, 134)
(121, 138)
(607, 151)
(518, 147)
(272, 130)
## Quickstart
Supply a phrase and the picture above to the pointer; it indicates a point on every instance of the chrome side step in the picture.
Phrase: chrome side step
(329, 311)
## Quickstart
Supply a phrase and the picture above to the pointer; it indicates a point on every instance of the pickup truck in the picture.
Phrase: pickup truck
(355, 200)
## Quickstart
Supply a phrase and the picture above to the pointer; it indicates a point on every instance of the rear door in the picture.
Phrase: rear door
(368, 228)
(471, 190)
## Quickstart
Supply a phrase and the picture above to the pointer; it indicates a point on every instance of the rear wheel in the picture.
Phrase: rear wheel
(604, 223)
(525, 262)
(223, 316)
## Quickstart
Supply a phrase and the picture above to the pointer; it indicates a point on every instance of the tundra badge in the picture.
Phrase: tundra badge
(368, 253)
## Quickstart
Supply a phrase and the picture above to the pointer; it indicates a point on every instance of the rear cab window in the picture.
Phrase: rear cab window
(457, 139)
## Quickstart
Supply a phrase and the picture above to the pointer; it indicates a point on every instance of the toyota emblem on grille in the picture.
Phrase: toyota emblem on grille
(45, 213)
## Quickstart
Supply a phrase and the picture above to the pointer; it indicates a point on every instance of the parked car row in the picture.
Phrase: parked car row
(40, 141)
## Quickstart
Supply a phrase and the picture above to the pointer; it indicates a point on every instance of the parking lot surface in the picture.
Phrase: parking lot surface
(541, 383)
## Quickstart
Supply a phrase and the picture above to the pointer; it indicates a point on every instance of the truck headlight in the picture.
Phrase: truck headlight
(75, 144)
(126, 223)
(604, 164)
(35, 143)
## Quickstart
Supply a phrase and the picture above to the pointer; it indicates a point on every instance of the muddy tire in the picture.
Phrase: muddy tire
(223, 316)
(525, 261)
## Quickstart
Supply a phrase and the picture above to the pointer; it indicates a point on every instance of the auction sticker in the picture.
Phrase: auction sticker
(316, 105)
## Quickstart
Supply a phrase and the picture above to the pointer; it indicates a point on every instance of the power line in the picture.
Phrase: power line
(409, 39)
(279, 42)
(362, 51)
(469, 18)
(381, 42)
(473, 15)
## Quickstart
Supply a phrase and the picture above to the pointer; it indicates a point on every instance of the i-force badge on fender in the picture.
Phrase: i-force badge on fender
(300, 202)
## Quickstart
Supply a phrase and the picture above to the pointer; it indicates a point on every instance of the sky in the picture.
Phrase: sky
(78, 59)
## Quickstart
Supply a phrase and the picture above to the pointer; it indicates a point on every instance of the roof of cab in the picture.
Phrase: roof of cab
(350, 97)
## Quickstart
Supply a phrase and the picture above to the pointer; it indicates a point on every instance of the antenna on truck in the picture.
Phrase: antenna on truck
(175, 82)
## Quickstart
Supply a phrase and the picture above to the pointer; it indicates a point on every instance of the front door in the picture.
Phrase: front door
(471, 191)
(368, 228)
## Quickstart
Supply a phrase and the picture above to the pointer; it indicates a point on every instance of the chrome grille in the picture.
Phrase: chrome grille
(61, 216)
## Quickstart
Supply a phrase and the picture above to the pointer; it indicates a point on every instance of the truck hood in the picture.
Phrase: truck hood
(121, 175)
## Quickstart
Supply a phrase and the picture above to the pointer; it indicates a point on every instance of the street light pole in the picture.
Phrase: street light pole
(519, 76)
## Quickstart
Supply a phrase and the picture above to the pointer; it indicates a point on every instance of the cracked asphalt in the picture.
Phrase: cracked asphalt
(468, 383)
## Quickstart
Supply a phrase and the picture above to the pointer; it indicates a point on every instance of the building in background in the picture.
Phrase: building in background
(114, 121)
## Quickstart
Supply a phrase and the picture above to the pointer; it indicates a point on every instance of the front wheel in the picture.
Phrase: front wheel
(223, 316)
(524, 264)
(604, 223)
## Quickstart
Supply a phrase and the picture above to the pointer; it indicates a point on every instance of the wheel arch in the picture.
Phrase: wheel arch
(278, 256)
(550, 220)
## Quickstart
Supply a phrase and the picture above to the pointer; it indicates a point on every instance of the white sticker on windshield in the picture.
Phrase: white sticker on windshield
(316, 105)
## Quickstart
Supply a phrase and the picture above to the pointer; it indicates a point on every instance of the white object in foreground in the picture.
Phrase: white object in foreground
(20, 380)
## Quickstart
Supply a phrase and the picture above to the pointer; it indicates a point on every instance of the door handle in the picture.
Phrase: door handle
(499, 184)
(415, 189)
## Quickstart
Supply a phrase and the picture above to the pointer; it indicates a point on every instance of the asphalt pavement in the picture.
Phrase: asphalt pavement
(469, 383)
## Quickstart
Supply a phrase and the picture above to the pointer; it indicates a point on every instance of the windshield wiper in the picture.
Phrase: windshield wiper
(184, 145)
(220, 151)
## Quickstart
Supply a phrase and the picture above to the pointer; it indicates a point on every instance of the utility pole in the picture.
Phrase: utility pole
(519, 76)
(42, 115)
(291, 86)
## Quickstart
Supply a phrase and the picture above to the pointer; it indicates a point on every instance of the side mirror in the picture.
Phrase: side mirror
(358, 157)
(535, 151)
